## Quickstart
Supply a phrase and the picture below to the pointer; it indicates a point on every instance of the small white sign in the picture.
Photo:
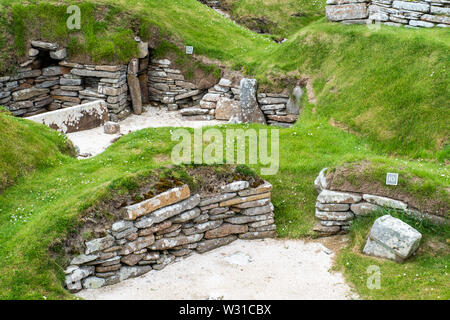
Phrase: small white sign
(392, 179)
(189, 50)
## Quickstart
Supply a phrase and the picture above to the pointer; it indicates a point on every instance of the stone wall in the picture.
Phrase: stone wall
(169, 227)
(47, 81)
(168, 86)
(427, 13)
(335, 210)
(37, 88)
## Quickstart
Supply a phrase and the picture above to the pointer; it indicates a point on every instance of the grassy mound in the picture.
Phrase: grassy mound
(26, 146)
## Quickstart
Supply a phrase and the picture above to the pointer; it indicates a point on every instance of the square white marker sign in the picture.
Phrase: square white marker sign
(392, 179)
(189, 50)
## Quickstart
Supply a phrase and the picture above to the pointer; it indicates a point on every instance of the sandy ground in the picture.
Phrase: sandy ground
(244, 270)
(95, 141)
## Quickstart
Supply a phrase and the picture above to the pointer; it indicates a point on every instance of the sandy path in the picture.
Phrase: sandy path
(260, 269)
(95, 141)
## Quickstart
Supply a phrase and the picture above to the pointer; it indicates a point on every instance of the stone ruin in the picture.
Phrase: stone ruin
(336, 210)
(411, 14)
(170, 226)
(48, 81)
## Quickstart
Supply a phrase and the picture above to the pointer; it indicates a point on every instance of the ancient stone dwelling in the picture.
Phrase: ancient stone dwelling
(49, 81)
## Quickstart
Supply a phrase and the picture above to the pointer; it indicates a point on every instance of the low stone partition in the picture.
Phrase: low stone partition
(170, 226)
(413, 14)
(335, 210)
(82, 117)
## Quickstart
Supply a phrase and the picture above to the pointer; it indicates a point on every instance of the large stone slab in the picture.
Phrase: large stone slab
(168, 212)
(393, 239)
(334, 216)
(27, 94)
(227, 109)
(162, 200)
(208, 245)
(412, 6)
(165, 243)
(346, 11)
(364, 208)
(78, 118)
(99, 244)
(250, 111)
(327, 196)
(225, 230)
(385, 202)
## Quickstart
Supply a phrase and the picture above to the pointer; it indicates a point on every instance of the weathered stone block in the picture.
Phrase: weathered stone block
(162, 200)
(393, 239)
(227, 108)
(346, 11)
(385, 202)
(327, 196)
(208, 245)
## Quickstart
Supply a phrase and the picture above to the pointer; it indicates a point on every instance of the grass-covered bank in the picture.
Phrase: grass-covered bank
(26, 146)
(425, 276)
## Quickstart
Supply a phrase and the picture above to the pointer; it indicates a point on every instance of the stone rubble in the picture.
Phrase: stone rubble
(159, 231)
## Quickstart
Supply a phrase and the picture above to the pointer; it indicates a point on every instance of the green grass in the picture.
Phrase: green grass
(422, 277)
(40, 211)
(26, 146)
(286, 16)
(390, 87)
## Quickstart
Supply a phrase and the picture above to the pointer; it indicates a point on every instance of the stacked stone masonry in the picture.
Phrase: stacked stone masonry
(336, 210)
(47, 81)
(36, 89)
(170, 226)
(412, 14)
(168, 86)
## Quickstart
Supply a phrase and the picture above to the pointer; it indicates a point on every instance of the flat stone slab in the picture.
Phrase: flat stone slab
(162, 200)
(78, 118)
(393, 239)
(385, 202)
(346, 11)
(327, 196)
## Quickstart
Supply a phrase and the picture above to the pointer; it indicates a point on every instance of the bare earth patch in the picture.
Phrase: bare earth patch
(260, 269)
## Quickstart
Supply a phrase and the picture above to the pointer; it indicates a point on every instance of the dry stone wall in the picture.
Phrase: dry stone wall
(412, 14)
(37, 88)
(168, 86)
(335, 210)
(170, 226)
(47, 81)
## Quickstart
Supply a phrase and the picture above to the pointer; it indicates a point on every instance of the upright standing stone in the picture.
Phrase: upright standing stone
(135, 92)
(250, 111)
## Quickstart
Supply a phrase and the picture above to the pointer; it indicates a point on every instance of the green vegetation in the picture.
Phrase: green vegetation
(387, 89)
(424, 276)
(40, 211)
(281, 18)
(26, 146)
